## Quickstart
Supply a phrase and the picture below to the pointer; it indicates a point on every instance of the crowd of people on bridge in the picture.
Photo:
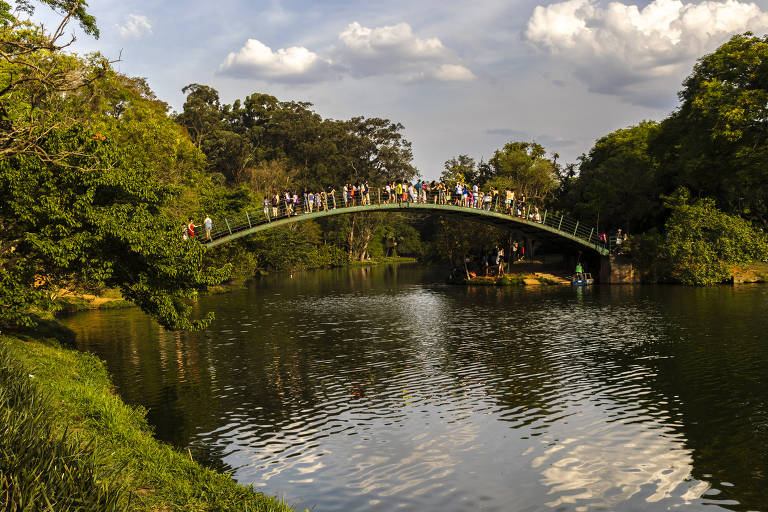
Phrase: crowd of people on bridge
(286, 203)
(289, 203)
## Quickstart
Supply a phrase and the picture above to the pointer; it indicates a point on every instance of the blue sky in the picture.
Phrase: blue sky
(463, 77)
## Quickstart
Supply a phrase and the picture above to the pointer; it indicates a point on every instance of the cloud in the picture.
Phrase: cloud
(637, 54)
(395, 49)
(136, 26)
(257, 60)
(441, 73)
(360, 52)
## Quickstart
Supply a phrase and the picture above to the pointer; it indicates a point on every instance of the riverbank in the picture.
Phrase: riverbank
(384, 261)
(78, 399)
(518, 274)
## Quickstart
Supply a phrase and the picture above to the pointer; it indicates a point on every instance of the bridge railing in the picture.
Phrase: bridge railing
(250, 218)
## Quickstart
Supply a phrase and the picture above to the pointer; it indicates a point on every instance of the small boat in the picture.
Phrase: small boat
(582, 279)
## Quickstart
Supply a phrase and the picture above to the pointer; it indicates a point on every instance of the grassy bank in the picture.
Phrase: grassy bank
(384, 261)
(120, 462)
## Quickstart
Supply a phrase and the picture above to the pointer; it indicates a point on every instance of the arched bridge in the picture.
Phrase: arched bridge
(545, 226)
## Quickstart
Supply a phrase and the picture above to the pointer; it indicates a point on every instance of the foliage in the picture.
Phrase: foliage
(460, 169)
(523, 167)
(314, 152)
(647, 253)
(87, 197)
(42, 468)
(616, 186)
(716, 143)
(398, 238)
(702, 241)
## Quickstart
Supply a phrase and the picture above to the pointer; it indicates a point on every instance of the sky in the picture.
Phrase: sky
(463, 77)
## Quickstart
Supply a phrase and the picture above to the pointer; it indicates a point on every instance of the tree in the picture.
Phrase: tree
(202, 112)
(522, 166)
(83, 201)
(716, 143)
(617, 181)
(460, 169)
(240, 137)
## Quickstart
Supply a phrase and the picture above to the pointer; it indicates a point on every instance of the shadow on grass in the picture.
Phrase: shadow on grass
(46, 331)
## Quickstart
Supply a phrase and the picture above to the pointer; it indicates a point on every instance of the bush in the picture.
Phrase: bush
(702, 241)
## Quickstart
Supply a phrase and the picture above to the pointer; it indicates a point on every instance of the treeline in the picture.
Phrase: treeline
(694, 185)
(97, 176)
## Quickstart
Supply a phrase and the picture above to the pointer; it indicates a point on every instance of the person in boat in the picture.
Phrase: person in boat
(579, 268)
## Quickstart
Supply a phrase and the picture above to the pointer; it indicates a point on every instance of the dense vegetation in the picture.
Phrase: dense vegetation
(714, 147)
(98, 176)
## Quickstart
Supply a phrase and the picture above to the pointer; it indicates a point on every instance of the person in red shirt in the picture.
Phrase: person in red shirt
(191, 228)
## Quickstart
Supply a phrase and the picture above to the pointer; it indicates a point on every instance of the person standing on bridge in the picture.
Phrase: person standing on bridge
(191, 228)
(208, 223)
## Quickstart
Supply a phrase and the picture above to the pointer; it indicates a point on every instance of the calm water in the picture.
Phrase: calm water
(375, 389)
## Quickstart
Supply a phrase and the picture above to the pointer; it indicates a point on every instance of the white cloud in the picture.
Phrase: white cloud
(135, 27)
(637, 54)
(257, 60)
(443, 73)
(395, 49)
(389, 41)
(361, 52)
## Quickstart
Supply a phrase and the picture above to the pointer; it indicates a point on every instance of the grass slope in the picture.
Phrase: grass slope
(79, 400)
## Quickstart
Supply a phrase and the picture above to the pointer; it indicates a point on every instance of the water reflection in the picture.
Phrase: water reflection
(377, 388)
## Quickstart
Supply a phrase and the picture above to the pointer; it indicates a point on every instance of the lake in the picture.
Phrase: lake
(382, 388)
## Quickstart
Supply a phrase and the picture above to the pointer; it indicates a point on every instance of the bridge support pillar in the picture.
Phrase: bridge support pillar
(615, 269)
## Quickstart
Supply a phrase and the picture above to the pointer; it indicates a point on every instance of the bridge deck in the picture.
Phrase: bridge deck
(550, 227)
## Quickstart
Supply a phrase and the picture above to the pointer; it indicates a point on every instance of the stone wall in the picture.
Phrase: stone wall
(616, 269)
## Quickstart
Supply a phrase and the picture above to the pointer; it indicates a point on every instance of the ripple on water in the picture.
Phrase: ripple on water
(358, 397)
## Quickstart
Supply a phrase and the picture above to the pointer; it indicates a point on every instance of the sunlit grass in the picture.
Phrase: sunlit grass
(155, 476)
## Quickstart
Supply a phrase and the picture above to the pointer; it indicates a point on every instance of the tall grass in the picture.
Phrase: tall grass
(42, 469)
(81, 401)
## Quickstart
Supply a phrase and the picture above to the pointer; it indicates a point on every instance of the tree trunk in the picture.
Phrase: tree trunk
(351, 240)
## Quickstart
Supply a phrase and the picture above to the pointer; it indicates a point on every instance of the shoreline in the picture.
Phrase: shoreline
(82, 406)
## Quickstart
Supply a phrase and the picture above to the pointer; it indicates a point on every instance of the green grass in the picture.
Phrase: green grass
(511, 280)
(41, 468)
(383, 261)
(73, 304)
(156, 476)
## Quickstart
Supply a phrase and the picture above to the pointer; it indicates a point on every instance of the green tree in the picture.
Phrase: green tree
(460, 169)
(616, 185)
(716, 143)
(523, 166)
(81, 206)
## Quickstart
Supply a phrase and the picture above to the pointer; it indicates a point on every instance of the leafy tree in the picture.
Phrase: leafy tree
(248, 134)
(97, 221)
(460, 169)
(84, 200)
(616, 185)
(716, 143)
(202, 114)
(522, 166)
